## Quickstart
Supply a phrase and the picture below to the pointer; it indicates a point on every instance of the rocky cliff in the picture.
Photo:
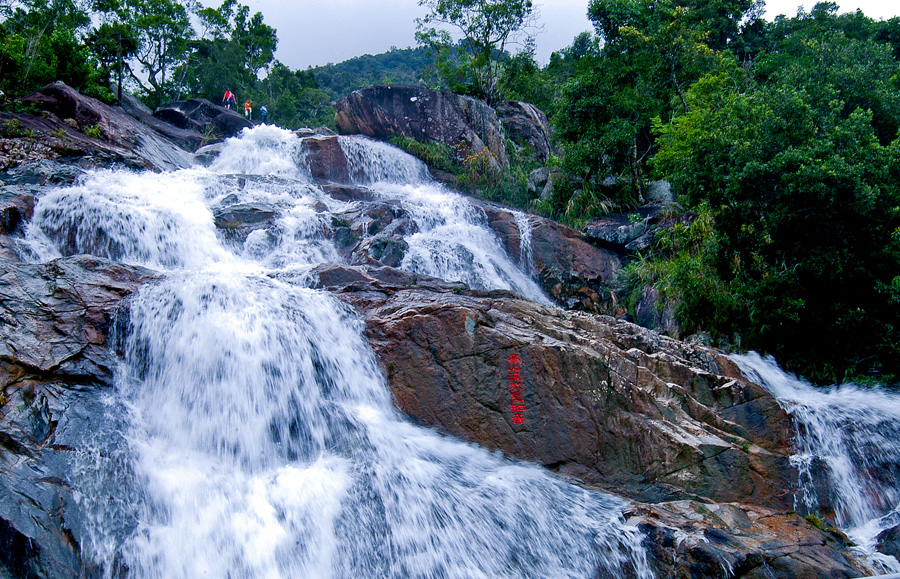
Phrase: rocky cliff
(702, 454)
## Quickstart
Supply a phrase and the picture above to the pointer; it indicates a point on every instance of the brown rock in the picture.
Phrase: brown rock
(14, 211)
(687, 539)
(575, 273)
(608, 402)
(326, 160)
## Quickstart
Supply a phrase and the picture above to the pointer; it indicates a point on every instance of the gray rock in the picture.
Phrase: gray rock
(527, 126)
(888, 542)
(61, 133)
(57, 353)
(208, 153)
(689, 539)
(202, 116)
(466, 125)
(537, 180)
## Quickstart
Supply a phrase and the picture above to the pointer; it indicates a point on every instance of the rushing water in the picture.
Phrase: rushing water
(847, 451)
(258, 438)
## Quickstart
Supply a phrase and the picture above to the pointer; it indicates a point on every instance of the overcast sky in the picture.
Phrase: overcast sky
(317, 32)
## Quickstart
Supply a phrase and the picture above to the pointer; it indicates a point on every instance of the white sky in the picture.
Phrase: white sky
(317, 32)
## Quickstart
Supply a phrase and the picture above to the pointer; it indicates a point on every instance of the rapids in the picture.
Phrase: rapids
(847, 440)
(251, 431)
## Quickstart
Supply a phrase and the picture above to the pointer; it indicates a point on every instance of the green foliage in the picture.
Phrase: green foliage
(486, 28)
(509, 185)
(816, 521)
(113, 43)
(232, 51)
(39, 44)
(397, 66)
(683, 270)
(805, 199)
(164, 34)
(435, 155)
(521, 79)
(292, 98)
(13, 128)
(651, 53)
(93, 131)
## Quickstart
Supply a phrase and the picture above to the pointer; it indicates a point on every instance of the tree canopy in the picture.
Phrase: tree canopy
(486, 27)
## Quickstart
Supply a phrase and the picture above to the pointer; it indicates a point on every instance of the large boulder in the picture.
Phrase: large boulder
(203, 117)
(605, 401)
(467, 125)
(326, 160)
(76, 126)
(527, 126)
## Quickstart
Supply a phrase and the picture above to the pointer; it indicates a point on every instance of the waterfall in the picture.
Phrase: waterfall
(258, 437)
(848, 451)
(526, 250)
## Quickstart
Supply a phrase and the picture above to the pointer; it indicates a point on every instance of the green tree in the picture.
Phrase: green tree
(40, 43)
(229, 54)
(805, 200)
(522, 79)
(114, 44)
(164, 34)
(486, 26)
(294, 99)
(651, 52)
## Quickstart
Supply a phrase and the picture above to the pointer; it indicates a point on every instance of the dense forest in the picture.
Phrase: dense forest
(779, 138)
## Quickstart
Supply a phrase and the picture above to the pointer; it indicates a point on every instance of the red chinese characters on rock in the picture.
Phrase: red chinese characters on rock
(516, 391)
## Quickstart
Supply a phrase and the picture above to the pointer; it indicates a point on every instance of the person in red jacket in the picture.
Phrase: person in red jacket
(228, 100)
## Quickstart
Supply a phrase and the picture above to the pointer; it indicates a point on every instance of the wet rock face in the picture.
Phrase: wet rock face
(889, 542)
(607, 402)
(575, 273)
(687, 539)
(326, 160)
(74, 125)
(466, 125)
(56, 320)
(373, 233)
(15, 210)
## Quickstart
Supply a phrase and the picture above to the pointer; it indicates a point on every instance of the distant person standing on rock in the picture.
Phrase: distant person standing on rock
(247, 110)
(228, 100)
(264, 112)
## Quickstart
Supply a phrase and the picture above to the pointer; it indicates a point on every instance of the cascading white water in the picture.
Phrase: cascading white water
(262, 441)
(454, 242)
(526, 249)
(848, 450)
